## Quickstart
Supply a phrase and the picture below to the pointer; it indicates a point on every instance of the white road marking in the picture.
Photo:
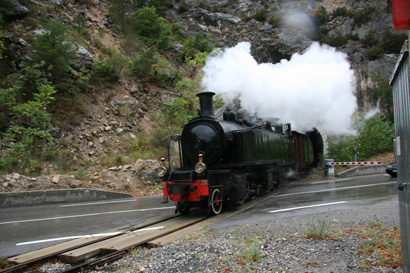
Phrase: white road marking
(328, 181)
(306, 207)
(336, 189)
(83, 215)
(98, 203)
(83, 236)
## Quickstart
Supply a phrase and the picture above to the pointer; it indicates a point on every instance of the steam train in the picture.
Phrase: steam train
(215, 163)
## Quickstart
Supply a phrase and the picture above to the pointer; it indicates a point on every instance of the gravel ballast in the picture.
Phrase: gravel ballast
(280, 245)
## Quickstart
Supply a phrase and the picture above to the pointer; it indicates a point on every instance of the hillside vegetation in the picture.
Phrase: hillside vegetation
(49, 90)
(89, 84)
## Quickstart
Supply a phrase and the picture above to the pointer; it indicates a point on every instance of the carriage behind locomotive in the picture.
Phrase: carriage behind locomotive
(216, 162)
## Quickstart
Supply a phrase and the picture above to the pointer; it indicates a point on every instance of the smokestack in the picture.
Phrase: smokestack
(206, 102)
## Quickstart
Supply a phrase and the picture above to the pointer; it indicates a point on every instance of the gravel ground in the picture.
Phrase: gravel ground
(281, 245)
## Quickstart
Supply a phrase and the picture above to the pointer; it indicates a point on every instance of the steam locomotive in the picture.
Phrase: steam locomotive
(215, 163)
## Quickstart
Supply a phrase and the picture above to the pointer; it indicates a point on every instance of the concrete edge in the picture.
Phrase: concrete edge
(47, 197)
(363, 170)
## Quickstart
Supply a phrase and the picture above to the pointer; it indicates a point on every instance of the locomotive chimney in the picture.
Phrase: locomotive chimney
(206, 102)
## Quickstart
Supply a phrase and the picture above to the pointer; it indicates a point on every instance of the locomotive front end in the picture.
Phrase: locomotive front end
(200, 145)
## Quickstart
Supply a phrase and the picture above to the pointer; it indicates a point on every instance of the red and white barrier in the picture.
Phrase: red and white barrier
(355, 163)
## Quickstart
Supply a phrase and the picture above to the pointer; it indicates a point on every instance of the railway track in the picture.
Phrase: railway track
(157, 231)
(93, 251)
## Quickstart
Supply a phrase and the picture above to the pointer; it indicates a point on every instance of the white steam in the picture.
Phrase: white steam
(312, 89)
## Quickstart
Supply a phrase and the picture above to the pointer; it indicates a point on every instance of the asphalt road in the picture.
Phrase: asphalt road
(307, 199)
(26, 229)
(30, 228)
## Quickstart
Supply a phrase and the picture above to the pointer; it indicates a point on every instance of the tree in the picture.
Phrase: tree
(5, 10)
(56, 53)
(142, 65)
(384, 93)
(321, 15)
(193, 46)
(149, 24)
(2, 46)
(119, 9)
(29, 131)
(375, 136)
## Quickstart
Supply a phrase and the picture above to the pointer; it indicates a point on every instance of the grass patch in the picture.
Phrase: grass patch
(318, 229)
(5, 264)
(250, 250)
(382, 244)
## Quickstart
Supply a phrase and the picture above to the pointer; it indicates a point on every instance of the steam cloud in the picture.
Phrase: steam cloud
(313, 89)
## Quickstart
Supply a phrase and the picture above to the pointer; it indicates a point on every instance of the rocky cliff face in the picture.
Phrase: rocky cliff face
(296, 28)
(276, 30)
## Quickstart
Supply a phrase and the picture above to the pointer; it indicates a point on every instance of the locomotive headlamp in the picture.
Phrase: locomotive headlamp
(200, 167)
(162, 170)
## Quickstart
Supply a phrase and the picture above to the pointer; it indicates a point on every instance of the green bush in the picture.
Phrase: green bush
(260, 16)
(108, 70)
(149, 25)
(370, 39)
(392, 43)
(28, 78)
(192, 46)
(7, 101)
(274, 21)
(2, 45)
(163, 74)
(183, 7)
(29, 137)
(374, 53)
(375, 136)
(384, 94)
(365, 15)
(119, 9)
(160, 137)
(52, 48)
(5, 10)
(321, 15)
(337, 41)
(340, 11)
(142, 65)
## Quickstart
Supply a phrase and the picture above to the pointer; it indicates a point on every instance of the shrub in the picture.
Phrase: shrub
(337, 41)
(2, 46)
(392, 43)
(375, 136)
(370, 39)
(149, 25)
(192, 46)
(384, 93)
(321, 15)
(52, 48)
(7, 101)
(28, 78)
(183, 7)
(163, 73)
(374, 53)
(119, 10)
(365, 15)
(340, 11)
(260, 16)
(108, 70)
(142, 65)
(29, 133)
(274, 21)
(5, 10)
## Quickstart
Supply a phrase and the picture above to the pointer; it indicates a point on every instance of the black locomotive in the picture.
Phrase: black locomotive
(225, 162)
